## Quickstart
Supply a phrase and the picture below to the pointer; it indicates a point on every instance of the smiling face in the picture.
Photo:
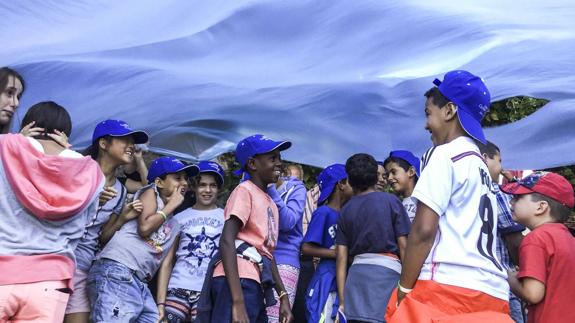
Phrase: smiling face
(434, 122)
(10, 99)
(381, 178)
(172, 181)
(206, 191)
(267, 167)
(399, 178)
(120, 149)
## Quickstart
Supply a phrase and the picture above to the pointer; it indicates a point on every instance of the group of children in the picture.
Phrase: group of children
(78, 244)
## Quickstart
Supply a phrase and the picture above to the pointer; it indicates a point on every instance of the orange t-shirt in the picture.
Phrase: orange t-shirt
(259, 216)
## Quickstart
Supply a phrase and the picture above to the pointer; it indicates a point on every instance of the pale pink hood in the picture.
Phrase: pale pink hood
(50, 187)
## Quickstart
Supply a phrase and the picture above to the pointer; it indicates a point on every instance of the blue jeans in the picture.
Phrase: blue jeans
(222, 301)
(117, 295)
(515, 309)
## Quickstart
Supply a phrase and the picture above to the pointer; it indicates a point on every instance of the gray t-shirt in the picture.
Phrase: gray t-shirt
(199, 241)
(142, 255)
(89, 243)
(24, 234)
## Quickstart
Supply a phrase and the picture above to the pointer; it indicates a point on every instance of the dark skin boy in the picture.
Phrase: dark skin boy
(264, 169)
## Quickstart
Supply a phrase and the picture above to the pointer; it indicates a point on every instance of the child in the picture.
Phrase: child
(234, 291)
(180, 284)
(542, 202)
(11, 88)
(372, 230)
(509, 233)
(402, 168)
(289, 195)
(112, 146)
(48, 194)
(381, 185)
(451, 269)
(319, 242)
(117, 280)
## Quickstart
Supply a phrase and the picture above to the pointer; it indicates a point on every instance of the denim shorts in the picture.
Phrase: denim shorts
(117, 295)
(222, 301)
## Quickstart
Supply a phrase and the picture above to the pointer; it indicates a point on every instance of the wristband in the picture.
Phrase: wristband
(163, 304)
(403, 289)
(163, 215)
(282, 294)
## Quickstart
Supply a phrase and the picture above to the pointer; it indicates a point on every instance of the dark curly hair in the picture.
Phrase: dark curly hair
(361, 171)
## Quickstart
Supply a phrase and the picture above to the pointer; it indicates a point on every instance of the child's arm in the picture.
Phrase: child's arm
(528, 289)
(285, 309)
(230, 263)
(115, 222)
(341, 272)
(419, 243)
(313, 250)
(402, 244)
(290, 212)
(151, 219)
(164, 275)
(512, 241)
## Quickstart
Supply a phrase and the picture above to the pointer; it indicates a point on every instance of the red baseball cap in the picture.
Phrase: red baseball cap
(549, 184)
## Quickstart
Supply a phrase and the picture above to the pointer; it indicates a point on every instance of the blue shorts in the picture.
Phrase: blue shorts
(222, 301)
(117, 295)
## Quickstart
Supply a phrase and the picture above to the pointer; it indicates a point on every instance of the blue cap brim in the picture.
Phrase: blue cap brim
(470, 125)
(325, 193)
(192, 170)
(140, 137)
(281, 145)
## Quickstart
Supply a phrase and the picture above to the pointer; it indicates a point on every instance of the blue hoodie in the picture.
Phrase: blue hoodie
(290, 200)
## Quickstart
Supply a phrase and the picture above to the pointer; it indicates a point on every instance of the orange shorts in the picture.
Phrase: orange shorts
(432, 302)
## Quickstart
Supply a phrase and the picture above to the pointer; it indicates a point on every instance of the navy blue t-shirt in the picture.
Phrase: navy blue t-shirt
(371, 223)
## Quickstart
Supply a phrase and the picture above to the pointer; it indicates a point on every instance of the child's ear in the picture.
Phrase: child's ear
(251, 164)
(542, 207)
(411, 172)
(449, 111)
(159, 182)
(102, 143)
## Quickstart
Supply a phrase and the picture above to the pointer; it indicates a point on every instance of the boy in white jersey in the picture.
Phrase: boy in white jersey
(451, 272)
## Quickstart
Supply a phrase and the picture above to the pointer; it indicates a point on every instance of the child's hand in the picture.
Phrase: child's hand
(177, 196)
(285, 311)
(30, 131)
(239, 314)
(132, 210)
(61, 138)
(162, 314)
(339, 310)
(107, 194)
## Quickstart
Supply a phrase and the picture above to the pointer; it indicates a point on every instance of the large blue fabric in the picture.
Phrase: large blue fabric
(334, 76)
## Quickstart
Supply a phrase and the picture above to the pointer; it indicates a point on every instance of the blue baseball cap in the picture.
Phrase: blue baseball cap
(409, 157)
(206, 166)
(472, 98)
(118, 128)
(256, 145)
(328, 178)
(169, 165)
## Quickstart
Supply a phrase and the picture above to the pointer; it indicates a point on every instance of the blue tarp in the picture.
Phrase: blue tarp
(336, 77)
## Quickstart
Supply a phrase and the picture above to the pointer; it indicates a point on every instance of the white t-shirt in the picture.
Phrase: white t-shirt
(64, 153)
(199, 241)
(455, 183)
